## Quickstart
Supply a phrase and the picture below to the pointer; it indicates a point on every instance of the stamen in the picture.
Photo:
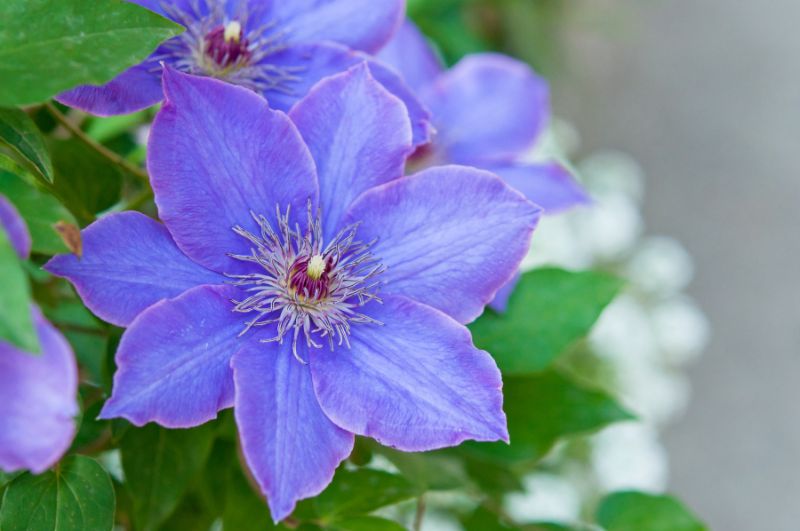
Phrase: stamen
(233, 32)
(303, 287)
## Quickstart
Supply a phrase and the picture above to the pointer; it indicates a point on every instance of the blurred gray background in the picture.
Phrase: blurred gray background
(705, 94)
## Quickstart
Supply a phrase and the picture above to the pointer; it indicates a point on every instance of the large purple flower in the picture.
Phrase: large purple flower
(277, 48)
(301, 279)
(488, 111)
(37, 391)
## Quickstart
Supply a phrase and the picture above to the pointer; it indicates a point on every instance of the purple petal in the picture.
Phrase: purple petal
(359, 136)
(500, 301)
(134, 89)
(289, 444)
(216, 154)
(37, 401)
(549, 185)
(450, 236)
(360, 24)
(488, 107)
(416, 383)
(318, 61)
(14, 226)
(129, 263)
(412, 56)
(173, 363)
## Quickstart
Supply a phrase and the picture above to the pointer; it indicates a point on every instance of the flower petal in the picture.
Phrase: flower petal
(488, 107)
(135, 89)
(129, 263)
(173, 363)
(416, 383)
(412, 56)
(449, 236)
(500, 301)
(360, 24)
(14, 227)
(37, 401)
(549, 184)
(359, 136)
(315, 62)
(289, 444)
(216, 154)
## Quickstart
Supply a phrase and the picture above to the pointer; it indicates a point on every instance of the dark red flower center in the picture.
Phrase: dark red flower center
(226, 45)
(309, 277)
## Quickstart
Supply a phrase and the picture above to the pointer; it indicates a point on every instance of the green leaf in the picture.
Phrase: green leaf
(356, 493)
(48, 46)
(365, 523)
(544, 408)
(19, 132)
(16, 321)
(482, 519)
(87, 181)
(427, 471)
(549, 310)
(159, 466)
(245, 510)
(85, 333)
(75, 496)
(638, 511)
(39, 209)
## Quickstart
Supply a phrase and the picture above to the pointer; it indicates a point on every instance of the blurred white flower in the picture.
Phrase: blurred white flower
(660, 265)
(681, 328)
(629, 456)
(546, 497)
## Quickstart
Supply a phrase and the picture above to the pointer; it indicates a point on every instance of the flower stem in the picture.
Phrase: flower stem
(78, 133)
(420, 514)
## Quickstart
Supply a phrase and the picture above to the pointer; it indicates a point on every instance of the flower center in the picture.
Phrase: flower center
(229, 46)
(303, 286)
(226, 45)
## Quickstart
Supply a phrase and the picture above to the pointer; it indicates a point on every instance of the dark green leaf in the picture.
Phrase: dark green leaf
(6, 478)
(16, 321)
(39, 209)
(428, 471)
(245, 510)
(543, 408)
(86, 181)
(159, 465)
(85, 333)
(482, 519)
(549, 310)
(357, 493)
(19, 132)
(48, 46)
(76, 496)
(365, 523)
(637, 511)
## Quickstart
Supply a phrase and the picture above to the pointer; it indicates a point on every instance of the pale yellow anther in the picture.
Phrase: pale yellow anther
(316, 267)
(233, 31)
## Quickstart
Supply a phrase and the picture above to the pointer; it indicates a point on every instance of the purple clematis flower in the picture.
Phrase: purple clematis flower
(487, 111)
(37, 391)
(277, 48)
(299, 278)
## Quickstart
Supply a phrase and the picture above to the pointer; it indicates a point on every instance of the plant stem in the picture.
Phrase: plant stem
(78, 133)
(420, 514)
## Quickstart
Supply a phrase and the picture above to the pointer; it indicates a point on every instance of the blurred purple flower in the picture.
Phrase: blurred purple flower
(278, 49)
(37, 391)
(487, 112)
(300, 279)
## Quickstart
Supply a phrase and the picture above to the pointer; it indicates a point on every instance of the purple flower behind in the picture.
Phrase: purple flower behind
(278, 49)
(487, 112)
(298, 278)
(37, 391)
